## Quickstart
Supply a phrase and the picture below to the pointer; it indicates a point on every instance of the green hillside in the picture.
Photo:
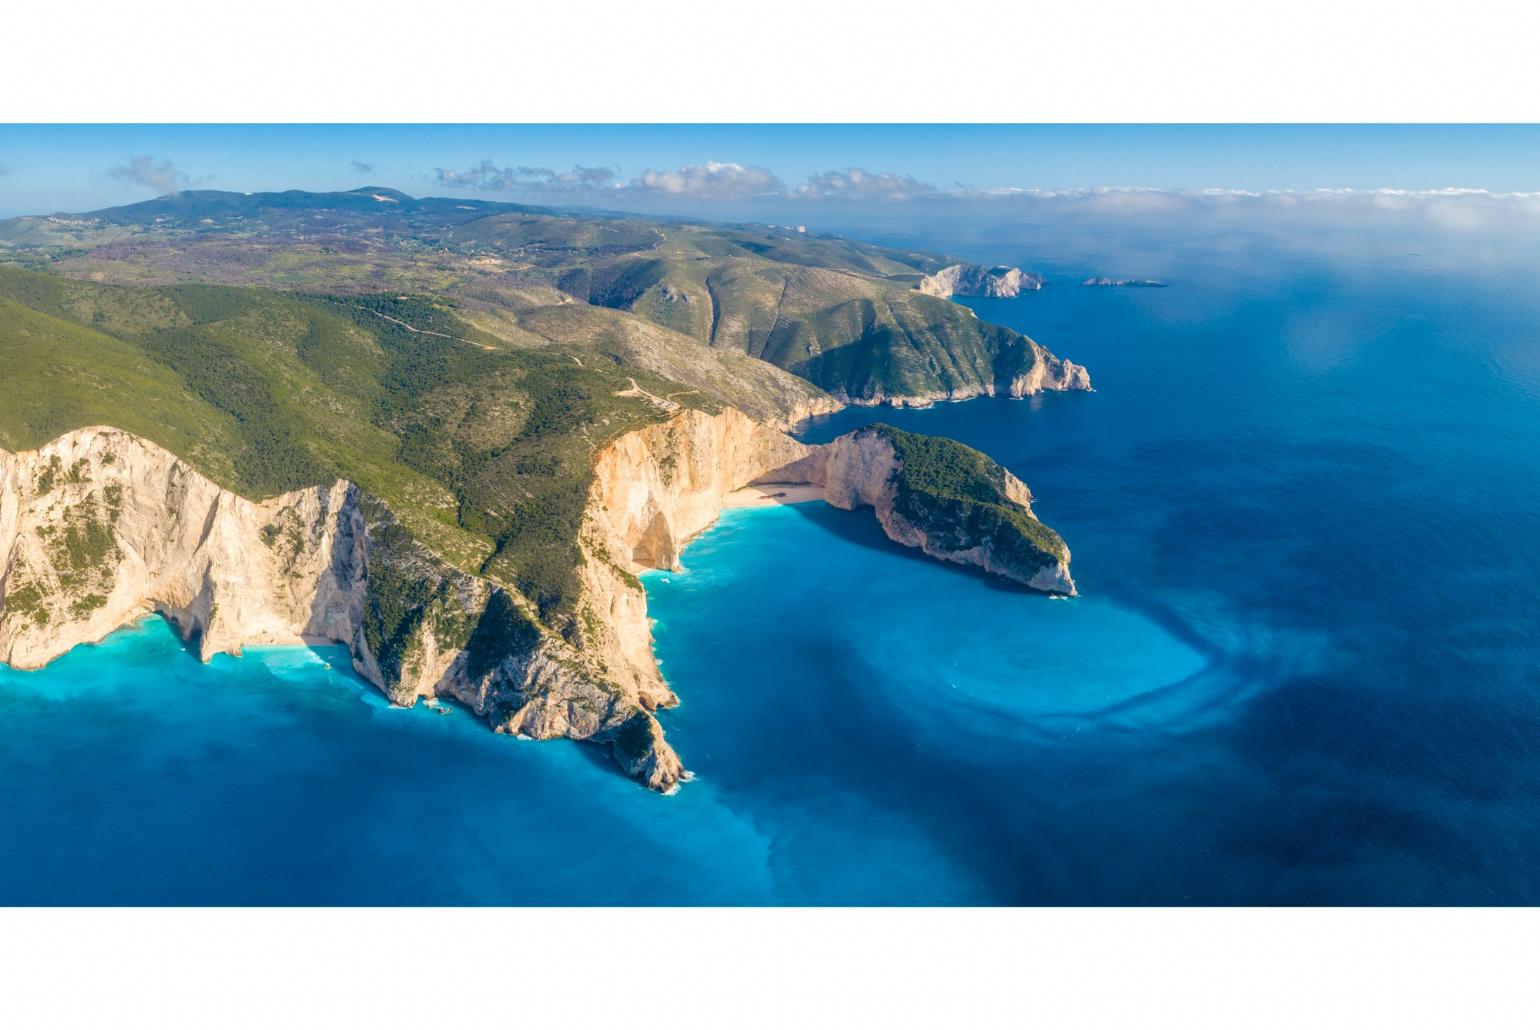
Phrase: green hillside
(959, 495)
(462, 363)
(459, 360)
(844, 316)
(483, 450)
(840, 314)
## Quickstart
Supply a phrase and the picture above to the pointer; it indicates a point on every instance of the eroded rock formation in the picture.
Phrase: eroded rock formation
(978, 281)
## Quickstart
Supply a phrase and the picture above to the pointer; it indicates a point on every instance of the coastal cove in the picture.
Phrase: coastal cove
(283, 768)
(1226, 713)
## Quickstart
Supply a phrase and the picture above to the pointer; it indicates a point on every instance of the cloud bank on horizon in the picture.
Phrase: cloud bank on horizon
(1455, 208)
(710, 180)
(853, 199)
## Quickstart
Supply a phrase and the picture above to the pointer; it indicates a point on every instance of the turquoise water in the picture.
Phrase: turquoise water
(1303, 666)
(135, 774)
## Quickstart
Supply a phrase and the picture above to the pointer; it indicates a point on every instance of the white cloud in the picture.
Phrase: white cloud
(490, 177)
(143, 170)
(714, 179)
(1450, 208)
(859, 184)
(711, 180)
(1455, 208)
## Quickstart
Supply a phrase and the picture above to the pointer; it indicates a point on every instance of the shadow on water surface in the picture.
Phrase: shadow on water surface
(860, 527)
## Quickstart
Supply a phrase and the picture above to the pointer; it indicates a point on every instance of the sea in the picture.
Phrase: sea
(1303, 668)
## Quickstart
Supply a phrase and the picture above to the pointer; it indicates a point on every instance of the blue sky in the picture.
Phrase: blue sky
(72, 168)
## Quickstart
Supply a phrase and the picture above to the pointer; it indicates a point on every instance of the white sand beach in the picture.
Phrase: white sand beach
(759, 495)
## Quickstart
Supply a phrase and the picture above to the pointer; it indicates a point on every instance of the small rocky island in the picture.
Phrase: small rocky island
(1102, 280)
(978, 281)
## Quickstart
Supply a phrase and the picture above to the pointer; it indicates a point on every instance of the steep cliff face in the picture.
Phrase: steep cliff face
(978, 281)
(653, 490)
(1021, 369)
(793, 416)
(1045, 372)
(100, 527)
(946, 499)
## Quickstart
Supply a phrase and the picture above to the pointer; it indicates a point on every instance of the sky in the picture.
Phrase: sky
(645, 167)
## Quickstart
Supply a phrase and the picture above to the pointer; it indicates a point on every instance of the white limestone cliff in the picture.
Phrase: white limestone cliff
(860, 469)
(653, 491)
(1048, 373)
(99, 528)
(977, 281)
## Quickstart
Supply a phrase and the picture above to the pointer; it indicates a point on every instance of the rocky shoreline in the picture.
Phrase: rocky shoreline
(100, 528)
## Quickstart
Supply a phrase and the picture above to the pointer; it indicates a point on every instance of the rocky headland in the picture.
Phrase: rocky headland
(979, 281)
(942, 497)
(1021, 369)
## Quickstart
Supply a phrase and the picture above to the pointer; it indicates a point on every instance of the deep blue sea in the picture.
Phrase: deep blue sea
(1304, 666)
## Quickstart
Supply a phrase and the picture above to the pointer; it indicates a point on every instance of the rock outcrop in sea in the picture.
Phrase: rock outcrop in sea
(1101, 280)
(979, 281)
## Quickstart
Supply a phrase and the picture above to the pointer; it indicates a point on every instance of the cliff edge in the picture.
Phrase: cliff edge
(943, 497)
(100, 527)
(977, 281)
